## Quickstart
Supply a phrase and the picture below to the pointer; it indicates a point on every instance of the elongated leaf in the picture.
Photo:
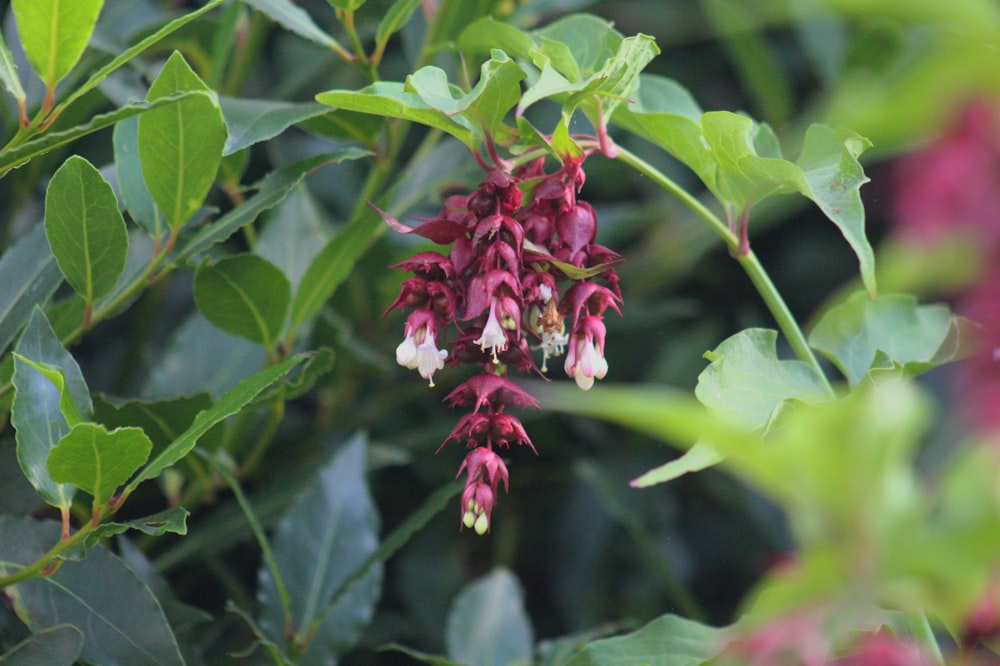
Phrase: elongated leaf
(487, 624)
(29, 275)
(700, 456)
(131, 186)
(180, 146)
(56, 646)
(747, 382)
(667, 641)
(394, 19)
(37, 411)
(332, 266)
(245, 295)
(54, 34)
(326, 535)
(233, 401)
(391, 99)
(295, 233)
(8, 73)
(68, 406)
(173, 520)
(271, 191)
(251, 121)
(97, 460)
(163, 421)
(124, 622)
(293, 18)
(11, 159)
(853, 333)
(85, 229)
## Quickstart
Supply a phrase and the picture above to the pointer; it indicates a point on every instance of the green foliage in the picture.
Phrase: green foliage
(54, 34)
(668, 640)
(96, 460)
(487, 623)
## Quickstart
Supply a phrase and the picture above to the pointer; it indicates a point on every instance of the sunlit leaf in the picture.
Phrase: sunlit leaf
(54, 33)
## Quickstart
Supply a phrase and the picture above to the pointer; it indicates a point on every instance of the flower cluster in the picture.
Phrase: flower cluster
(519, 267)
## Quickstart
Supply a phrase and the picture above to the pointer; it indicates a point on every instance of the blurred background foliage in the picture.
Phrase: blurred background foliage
(588, 550)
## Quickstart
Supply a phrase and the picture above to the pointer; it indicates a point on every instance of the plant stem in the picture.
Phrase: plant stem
(746, 258)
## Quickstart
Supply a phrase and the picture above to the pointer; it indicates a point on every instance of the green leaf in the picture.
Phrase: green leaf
(85, 229)
(251, 121)
(245, 295)
(163, 421)
(323, 538)
(333, 265)
(747, 382)
(700, 456)
(55, 646)
(914, 336)
(125, 623)
(487, 623)
(417, 655)
(180, 145)
(8, 73)
(54, 34)
(233, 401)
(131, 186)
(271, 191)
(667, 641)
(67, 405)
(294, 234)
(29, 275)
(349, 5)
(15, 157)
(392, 99)
(172, 520)
(394, 19)
(293, 18)
(97, 460)
(37, 413)
(488, 33)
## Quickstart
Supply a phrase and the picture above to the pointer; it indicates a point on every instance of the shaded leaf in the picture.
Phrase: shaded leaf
(37, 413)
(125, 624)
(29, 275)
(163, 421)
(747, 382)
(667, 641)
(487, 624)
(700, 456)
(8, 73)
(245, 295)
(295, 233)
(180, 145)
(131, 185)
(914, 336)
(55, 646)
(96, 460)
(271, 191)
(172, 520)
(230, 403)
(55, 33)
(67, 405)
(293, 18)
(324, 537)
(85, 229)
(18, 497)
(251, 121)
(417, 655)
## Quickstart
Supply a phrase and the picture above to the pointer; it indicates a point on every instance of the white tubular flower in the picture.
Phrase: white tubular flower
(406, 353)
(429, 359)
(494, 337)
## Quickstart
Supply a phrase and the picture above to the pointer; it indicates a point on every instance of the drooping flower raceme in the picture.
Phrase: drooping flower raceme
(515, 273)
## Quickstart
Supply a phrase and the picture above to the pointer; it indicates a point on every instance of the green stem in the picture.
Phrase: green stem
(275, 416)
(35, 568)
(746, 258)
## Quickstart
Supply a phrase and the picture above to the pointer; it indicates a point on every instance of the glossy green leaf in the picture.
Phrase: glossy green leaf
(333, 265)
(29, 275)
(67, 405)
(251, 121)
(180, 145)
(131, 185)
(245, 295)
(172, 520)
(488, 33)
(97, 460)
(15, 157)
(8, 73)
(231, 402)
(914, 336)
(54, 33)
(328, 532)
(163, 421)
(394, 19)
(124, 622)
(291, 17)
(700, 456)
(296, 231)
(666, 641)
(392, 99)
(271, 191)
(55, 646)
(37, 412)
(749, 384)
(85, 229)
(487, 623)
